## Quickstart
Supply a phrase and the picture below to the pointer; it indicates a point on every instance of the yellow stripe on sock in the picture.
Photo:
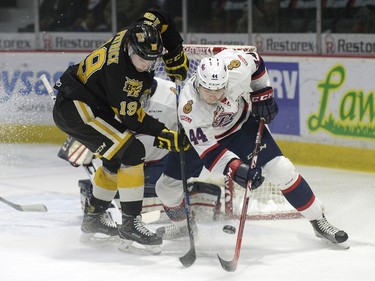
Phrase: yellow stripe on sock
(105, 180)
(131, 176)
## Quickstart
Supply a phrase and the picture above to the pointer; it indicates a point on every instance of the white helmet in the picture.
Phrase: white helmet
(212, 74)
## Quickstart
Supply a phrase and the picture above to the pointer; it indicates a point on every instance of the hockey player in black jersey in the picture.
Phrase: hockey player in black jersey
(98, 104)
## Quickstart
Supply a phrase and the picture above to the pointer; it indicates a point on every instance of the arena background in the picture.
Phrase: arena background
(322, 74)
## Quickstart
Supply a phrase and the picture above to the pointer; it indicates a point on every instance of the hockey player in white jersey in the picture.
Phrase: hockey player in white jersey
(219, 109)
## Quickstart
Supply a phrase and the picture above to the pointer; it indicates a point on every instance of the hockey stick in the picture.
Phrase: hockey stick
(232, 264)
(25, 208)
(189, 258)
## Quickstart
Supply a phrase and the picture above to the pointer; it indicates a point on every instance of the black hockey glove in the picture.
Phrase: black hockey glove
(263, 104)
(176, 64)
(241, 173)
(171, 140)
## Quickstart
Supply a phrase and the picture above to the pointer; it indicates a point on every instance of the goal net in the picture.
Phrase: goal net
(266, 202)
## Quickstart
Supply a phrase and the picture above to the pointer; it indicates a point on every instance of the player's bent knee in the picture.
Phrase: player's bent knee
(281, 172)
(169, 191)
(133, 155)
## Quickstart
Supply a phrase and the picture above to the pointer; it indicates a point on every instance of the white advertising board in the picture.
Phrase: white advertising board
(267, 43)
(23, 97)
(321, 100)
(324, 100)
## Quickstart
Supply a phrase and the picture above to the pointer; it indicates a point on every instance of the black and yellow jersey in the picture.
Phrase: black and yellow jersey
(107, 80)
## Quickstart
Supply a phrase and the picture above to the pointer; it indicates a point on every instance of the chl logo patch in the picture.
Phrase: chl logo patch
(188, 107)
(234, 64)
(132, 87)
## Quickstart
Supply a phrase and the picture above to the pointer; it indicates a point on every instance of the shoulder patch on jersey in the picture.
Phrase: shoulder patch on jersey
(188, 107)
(132, 87)
(234, 64)
(173, 89)
(185, 118)
(243, 59)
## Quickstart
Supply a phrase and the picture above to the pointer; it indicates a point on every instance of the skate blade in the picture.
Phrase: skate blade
(98, 239)
(129, 246)
(336, 246)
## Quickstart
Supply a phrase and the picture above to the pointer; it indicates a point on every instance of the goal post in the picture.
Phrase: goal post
(266, 202)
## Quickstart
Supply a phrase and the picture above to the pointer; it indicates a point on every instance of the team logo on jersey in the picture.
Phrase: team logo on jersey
(222, 118)
(234, 64)
(132, 87)
(188, 107)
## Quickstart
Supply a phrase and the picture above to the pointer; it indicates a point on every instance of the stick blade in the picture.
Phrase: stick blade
(25, 208)
(189, 258)
(228, 265)
(34, 208)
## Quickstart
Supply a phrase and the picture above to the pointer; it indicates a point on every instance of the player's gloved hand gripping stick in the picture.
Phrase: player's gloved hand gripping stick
(232, 264)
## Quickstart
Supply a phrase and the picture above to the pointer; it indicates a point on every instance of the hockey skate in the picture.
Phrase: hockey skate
(328, 233)
(98, 226)
(172, 231)
(133, 230)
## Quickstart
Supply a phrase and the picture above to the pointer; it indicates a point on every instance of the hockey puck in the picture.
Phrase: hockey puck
(229, 229)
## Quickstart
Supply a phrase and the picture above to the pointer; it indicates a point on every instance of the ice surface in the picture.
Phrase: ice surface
(45, 246)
